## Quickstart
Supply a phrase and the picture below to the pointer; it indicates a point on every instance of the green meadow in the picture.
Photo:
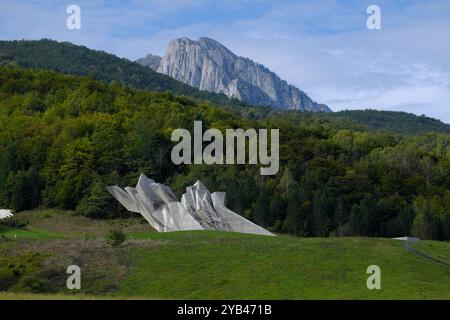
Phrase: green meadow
(207, 264)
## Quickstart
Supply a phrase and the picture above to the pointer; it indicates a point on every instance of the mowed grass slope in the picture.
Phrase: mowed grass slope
(207, 264)
(218, 265)
(25, 233)
(435, 249)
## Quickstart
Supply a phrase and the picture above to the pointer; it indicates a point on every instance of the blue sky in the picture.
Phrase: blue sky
(323, 47)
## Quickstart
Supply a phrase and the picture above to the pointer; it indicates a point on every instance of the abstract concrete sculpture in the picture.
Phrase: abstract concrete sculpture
(5, 213)
(198, 209)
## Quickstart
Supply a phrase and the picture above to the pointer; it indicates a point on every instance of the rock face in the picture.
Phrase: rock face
(208, 65)
(150, 61)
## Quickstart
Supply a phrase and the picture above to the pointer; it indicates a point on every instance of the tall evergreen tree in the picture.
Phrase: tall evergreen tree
(339, 216)
(262, 210)
(319, 214)
(292, 223)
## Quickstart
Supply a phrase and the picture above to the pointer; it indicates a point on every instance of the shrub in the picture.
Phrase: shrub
(14, 223)
(31, 283)
(115, 237)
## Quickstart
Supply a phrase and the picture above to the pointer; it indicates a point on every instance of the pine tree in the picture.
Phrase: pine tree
(292, 222)
(355, 221)
(262, 208)
(339, 216)
(319, 214)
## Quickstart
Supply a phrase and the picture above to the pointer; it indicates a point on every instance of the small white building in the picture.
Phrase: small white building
(412, 239)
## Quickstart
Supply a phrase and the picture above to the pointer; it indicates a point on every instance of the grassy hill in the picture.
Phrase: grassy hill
(435, 249)
(69, 58)
(209, 265)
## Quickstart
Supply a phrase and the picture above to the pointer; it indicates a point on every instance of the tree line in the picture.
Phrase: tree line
(64, 138)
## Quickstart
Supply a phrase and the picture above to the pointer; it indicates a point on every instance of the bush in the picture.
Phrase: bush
(32, 283)
(14, 223)
(115, 238)
(21, 270)
(97, 203)
(7, 278)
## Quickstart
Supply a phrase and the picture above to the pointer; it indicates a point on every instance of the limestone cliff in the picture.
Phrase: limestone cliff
(208, 65)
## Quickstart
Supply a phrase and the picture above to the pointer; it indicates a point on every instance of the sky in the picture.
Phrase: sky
(323, 47)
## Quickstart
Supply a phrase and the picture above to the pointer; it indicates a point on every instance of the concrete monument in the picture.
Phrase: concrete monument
(198, 209)
(5, 213)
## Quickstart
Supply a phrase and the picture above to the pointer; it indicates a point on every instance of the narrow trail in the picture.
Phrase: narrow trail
(409, 248)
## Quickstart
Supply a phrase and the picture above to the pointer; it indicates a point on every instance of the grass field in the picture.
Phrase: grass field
(435, 249)
(207, 264)
(35, 296)
(25, 233)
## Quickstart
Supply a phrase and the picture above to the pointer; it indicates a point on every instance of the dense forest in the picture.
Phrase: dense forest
(394, 121)
(64, 138)
(69, 58)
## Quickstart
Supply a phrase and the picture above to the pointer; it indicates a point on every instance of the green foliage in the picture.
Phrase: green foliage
(21, 189)
(393, 121)
(19, 271)
(97, 203)
(68, 58)
(115, 237)
(292, 223)
(64, 138)
(262, 209)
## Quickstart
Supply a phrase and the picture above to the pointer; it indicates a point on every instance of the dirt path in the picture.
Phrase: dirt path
(409, 248)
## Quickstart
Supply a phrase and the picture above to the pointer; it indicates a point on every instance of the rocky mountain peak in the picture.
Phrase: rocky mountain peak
(151, 61)
(208, 65)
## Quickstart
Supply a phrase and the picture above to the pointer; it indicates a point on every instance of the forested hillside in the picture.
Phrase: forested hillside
(393, 121)
(68, 58)
(64, 138)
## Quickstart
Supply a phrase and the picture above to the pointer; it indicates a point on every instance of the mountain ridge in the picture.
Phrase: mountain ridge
(69, 58)
(392, 121)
